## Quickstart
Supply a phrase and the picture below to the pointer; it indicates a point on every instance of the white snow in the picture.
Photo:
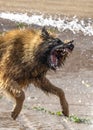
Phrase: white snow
(72, 24)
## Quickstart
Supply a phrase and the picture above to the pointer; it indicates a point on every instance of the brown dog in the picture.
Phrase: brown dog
(25, 57)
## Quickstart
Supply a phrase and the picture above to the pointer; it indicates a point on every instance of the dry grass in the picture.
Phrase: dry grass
(81, 8)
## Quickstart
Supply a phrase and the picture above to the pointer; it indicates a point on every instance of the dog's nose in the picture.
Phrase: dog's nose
(71, 46)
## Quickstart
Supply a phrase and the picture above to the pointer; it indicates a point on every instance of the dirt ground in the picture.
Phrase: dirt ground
(75, 77)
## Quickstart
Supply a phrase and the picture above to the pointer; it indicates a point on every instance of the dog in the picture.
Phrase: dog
(25, 57)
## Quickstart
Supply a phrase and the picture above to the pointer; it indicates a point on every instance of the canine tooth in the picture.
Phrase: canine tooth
(57, 49)
(64, 50)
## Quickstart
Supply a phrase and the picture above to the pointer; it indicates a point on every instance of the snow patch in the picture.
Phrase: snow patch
(74, 24)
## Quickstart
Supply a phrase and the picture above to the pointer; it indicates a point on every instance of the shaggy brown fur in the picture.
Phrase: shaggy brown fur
(25, 57)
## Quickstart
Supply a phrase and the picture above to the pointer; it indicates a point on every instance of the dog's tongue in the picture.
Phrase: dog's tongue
(54, 60)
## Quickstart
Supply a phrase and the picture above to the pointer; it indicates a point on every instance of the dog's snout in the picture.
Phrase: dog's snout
(71, 46)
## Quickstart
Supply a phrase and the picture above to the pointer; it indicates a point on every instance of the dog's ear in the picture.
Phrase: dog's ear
(68, 41)
(45, 33)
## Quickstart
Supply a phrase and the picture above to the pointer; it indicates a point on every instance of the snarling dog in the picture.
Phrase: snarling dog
(25, 58)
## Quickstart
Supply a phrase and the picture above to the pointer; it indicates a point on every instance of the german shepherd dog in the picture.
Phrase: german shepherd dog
(25, 57)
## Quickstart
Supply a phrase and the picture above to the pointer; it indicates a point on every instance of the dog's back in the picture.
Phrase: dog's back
(16, 53)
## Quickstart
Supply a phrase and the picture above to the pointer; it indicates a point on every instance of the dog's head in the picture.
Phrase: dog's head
(53, 51)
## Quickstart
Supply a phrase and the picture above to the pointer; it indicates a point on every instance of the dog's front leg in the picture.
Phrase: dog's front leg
(45, 85)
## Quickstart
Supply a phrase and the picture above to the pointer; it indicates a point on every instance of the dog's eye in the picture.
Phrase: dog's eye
(59, 41)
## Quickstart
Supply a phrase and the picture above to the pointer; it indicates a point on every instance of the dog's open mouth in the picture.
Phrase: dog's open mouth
(59, 54)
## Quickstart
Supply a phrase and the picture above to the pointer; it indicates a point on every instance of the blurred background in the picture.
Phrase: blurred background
(80, 8)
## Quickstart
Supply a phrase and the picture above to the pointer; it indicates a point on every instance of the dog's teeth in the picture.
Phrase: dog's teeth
(64, 50)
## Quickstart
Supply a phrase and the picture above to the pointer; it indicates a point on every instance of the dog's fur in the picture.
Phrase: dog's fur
(23, 61)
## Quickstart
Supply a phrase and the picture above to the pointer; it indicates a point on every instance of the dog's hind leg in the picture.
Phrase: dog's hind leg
(19, 99)
(14, 91)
